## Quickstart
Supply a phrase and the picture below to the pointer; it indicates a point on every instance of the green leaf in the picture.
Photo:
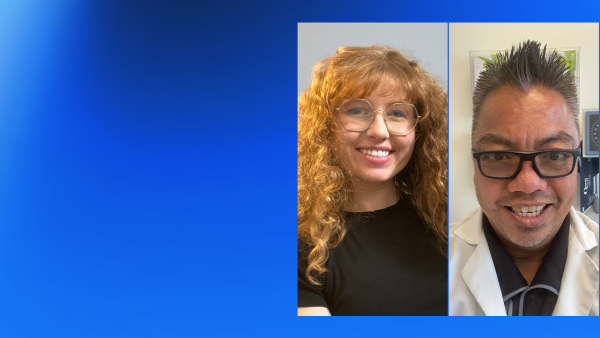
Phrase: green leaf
(488, 62)
(486, 59)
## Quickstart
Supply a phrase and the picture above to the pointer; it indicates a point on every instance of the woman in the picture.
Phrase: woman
(372, 195)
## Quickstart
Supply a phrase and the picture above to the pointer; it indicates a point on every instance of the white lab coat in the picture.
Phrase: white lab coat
(474, 287)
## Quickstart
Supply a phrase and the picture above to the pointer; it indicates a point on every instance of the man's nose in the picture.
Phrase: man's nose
(527, 180)
(378, 128)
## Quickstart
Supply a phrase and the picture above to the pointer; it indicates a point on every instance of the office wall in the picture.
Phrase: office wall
(425, 43)
(465, 37)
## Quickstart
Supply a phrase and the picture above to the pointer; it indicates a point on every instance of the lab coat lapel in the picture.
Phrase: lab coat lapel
(479, 273)
(580, 279)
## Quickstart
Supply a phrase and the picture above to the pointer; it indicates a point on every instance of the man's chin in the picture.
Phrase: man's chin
(527, 237)
(525, 232)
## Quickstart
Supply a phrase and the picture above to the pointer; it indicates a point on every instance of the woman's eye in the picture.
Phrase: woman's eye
(357, 111)
(396, 113)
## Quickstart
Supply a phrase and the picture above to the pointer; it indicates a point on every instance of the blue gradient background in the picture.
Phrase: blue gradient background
(148, 168)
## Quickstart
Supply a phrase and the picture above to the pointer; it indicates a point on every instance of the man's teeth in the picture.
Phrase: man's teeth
(375, 153)
(528, 211)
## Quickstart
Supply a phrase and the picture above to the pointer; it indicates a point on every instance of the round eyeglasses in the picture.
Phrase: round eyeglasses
(503, 165)
(358, 115)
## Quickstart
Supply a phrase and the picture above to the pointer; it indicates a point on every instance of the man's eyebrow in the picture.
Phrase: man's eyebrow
(559, 136)
(495, 139)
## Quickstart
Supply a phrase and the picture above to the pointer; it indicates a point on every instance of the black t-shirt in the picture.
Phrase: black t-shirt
(388, 264)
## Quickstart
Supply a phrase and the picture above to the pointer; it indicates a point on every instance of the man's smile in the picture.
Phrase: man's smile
(528, 211)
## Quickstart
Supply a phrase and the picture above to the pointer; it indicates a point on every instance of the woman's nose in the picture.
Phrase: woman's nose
(378, 128)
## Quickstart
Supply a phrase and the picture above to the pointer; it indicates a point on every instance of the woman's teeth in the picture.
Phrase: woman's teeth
(528, 211)
(375, 153)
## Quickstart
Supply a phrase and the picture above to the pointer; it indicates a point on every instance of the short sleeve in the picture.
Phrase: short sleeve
(309, 294)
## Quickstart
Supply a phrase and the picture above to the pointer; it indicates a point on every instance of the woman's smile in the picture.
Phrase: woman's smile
(378, 157)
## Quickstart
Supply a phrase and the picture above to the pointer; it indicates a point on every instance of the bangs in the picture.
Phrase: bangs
(383, 82)
(361, 72)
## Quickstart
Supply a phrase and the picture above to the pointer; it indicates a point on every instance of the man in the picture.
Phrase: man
(526, 251)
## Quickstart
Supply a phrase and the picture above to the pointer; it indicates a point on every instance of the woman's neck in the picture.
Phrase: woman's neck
(368, 196)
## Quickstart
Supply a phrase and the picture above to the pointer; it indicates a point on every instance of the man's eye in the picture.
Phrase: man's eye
(558, 156)
(495, 157)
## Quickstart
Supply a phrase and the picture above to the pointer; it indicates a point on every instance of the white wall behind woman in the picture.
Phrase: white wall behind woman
(424, 43)
(465, 37)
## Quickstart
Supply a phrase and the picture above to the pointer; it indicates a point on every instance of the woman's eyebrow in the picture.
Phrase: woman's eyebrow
(559, 136)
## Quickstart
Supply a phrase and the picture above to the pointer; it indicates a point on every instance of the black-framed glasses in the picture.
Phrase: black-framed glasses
(358, 115)
(503, 165)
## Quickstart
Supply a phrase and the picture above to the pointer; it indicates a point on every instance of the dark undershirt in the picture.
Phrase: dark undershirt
(540, 298)
(387, 264)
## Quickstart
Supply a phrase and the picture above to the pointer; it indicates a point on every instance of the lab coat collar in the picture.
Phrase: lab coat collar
(579, 283)
(479, 273)
(580, 279)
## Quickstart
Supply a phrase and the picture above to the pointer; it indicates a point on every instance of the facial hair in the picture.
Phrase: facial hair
(544, 228)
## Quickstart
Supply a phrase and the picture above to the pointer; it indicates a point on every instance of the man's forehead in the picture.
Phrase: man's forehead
(558, 137)
(534, 101)
(513, 117)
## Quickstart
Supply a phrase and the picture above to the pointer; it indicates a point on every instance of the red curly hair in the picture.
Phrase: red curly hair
(324, 185)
